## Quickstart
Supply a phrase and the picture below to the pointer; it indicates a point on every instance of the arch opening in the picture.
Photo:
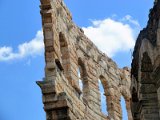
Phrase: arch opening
(102, 90)
(124, 109)
(82, 81)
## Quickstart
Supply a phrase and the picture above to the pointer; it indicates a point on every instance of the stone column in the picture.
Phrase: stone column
(128, 107)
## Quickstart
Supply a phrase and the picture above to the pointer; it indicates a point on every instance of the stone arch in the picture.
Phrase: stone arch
(105, 95)
(146, 63)
(126, 97)
(104, 83)
(124, 109)
(101, 74)
(148, 90)
(82, 77)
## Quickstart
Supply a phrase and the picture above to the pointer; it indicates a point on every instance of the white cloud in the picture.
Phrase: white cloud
(112, 36)
(31, 48)
(131, 20)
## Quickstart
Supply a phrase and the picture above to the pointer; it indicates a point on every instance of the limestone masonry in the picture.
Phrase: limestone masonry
(71, 57)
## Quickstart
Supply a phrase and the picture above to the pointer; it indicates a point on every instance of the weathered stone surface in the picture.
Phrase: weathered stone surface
(67, 49)
(146, 70)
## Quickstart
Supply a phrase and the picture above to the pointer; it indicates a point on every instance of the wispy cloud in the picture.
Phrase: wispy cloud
(110, 35)
(113, 36)
(31, 48)
(130, 19)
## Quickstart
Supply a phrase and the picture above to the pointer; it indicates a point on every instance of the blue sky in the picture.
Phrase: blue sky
(20, 22)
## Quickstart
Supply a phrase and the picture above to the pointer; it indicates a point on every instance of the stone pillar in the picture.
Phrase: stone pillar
(128, 107)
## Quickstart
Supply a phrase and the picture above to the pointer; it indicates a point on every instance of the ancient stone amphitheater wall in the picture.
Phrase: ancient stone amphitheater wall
(70, 58)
